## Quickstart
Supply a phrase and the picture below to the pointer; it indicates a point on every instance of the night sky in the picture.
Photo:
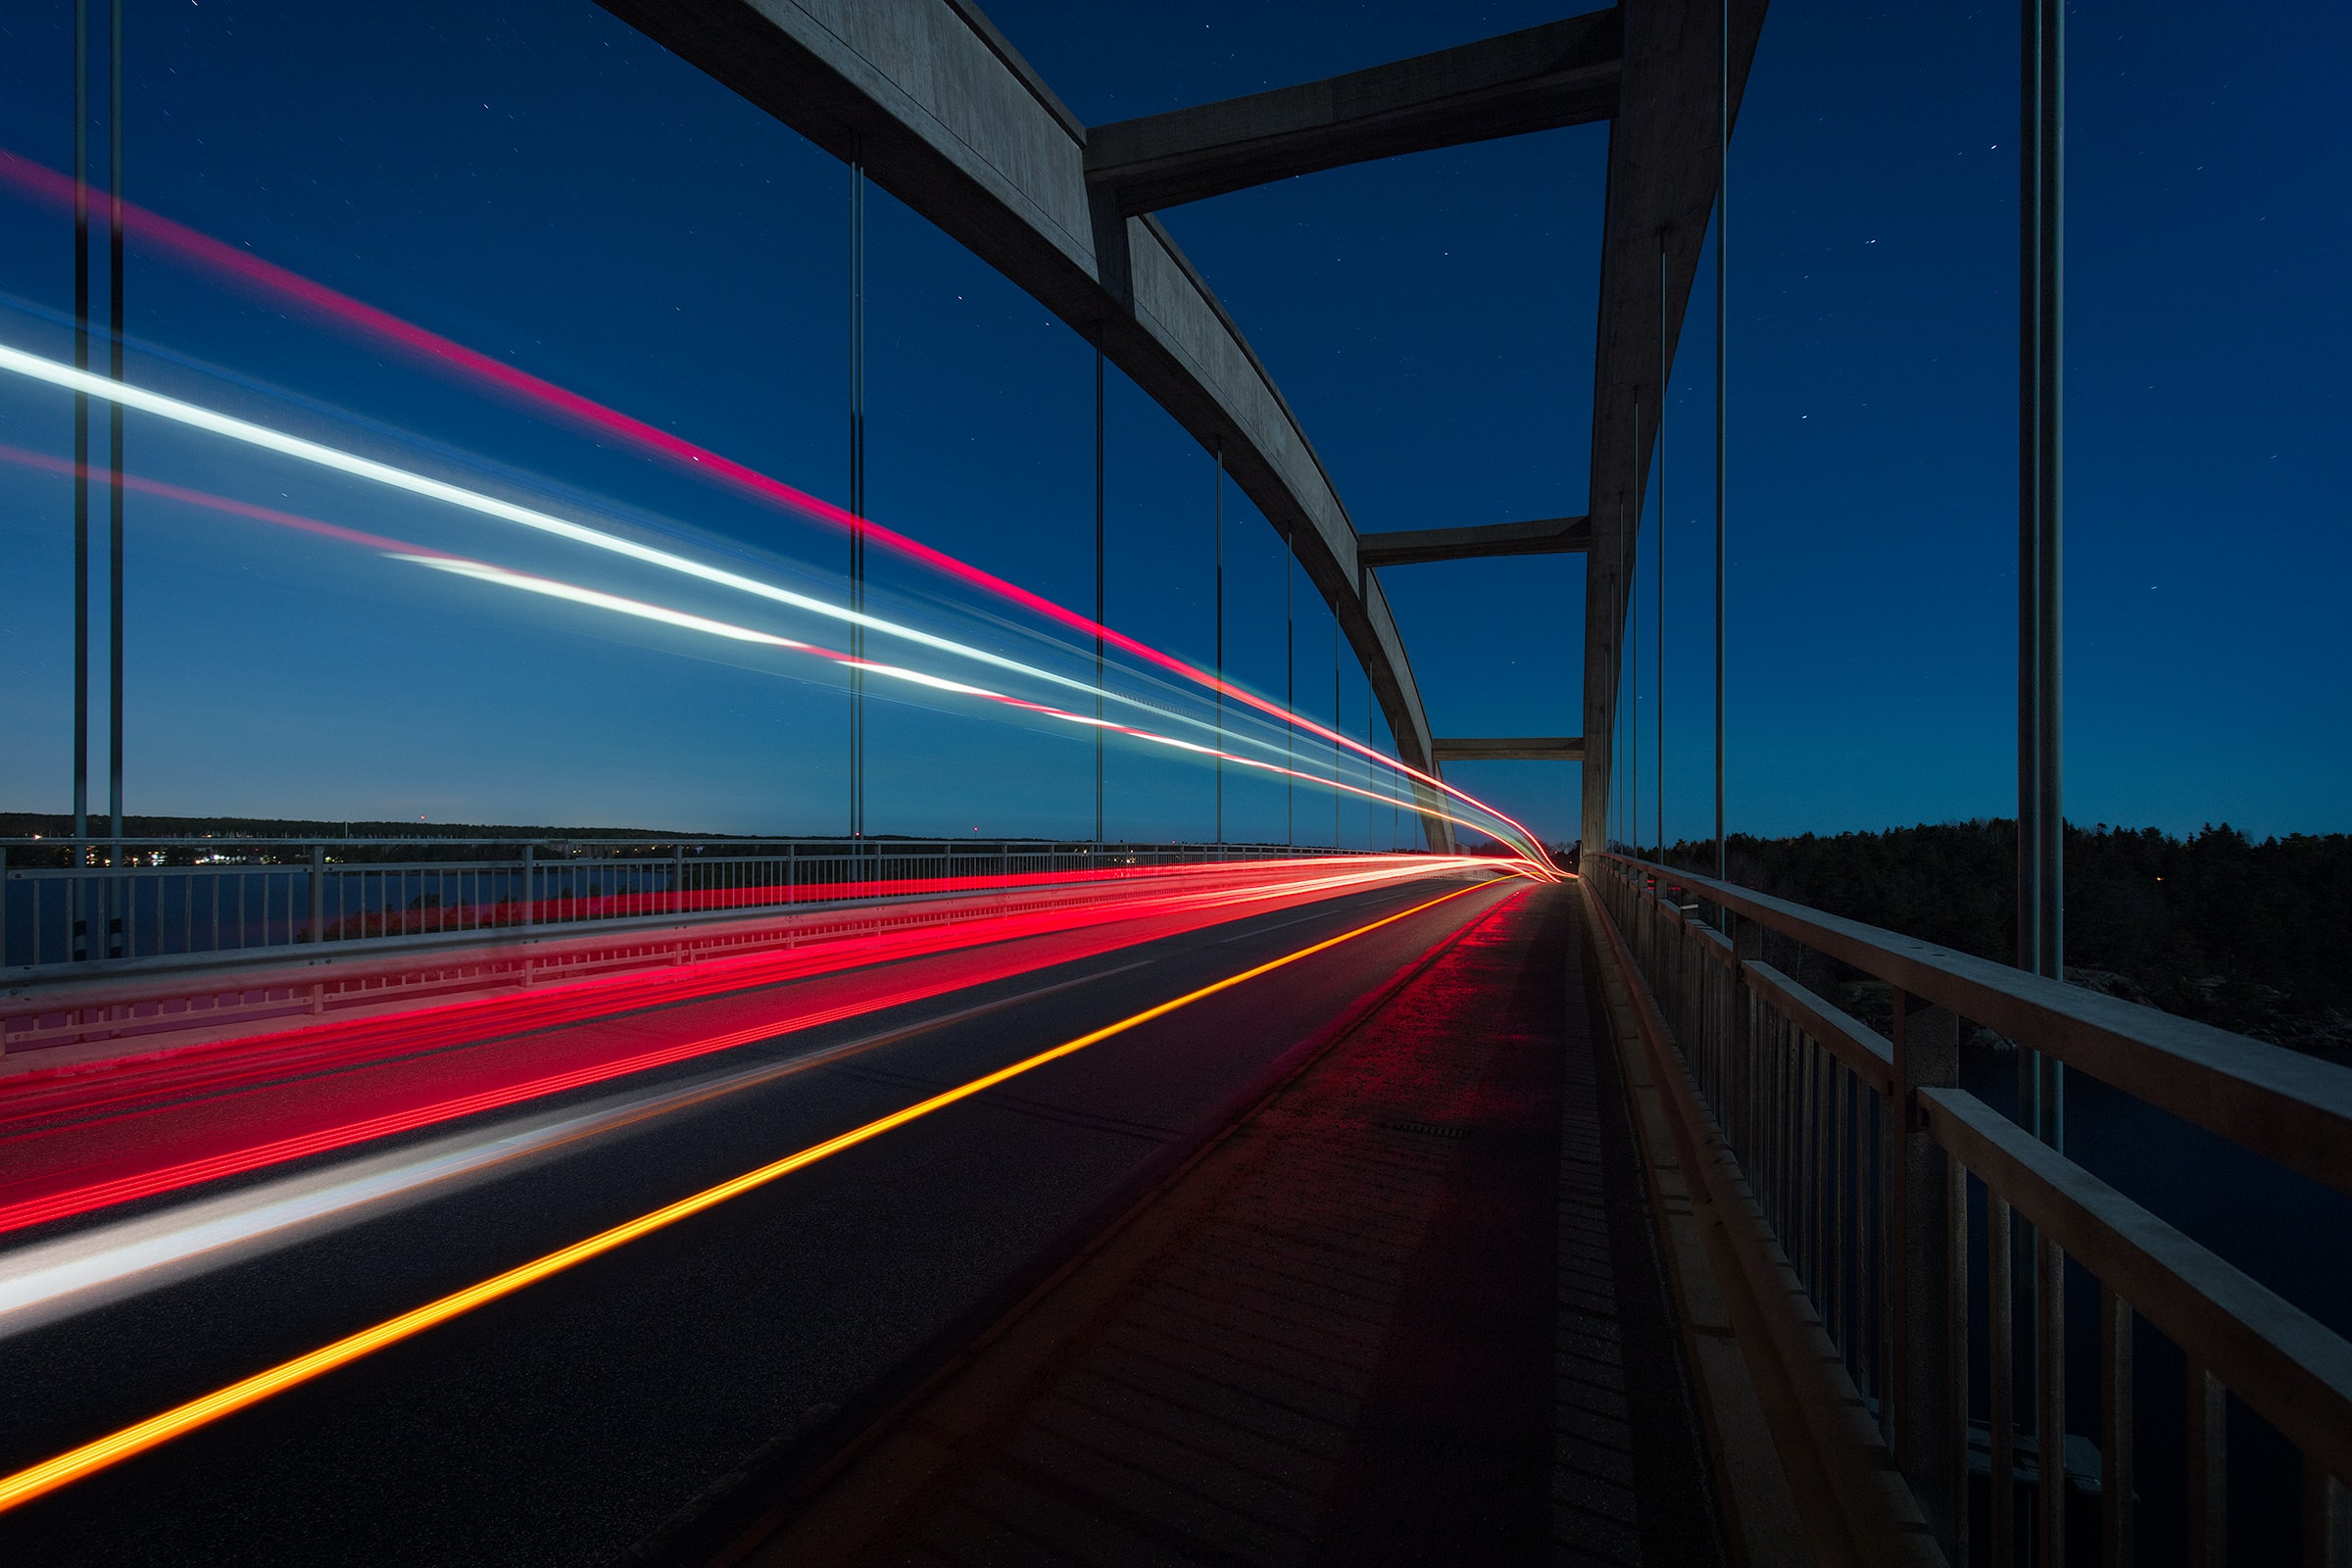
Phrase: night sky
(549, 189)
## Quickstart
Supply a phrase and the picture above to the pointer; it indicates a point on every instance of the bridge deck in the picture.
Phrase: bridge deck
(1406, 1310)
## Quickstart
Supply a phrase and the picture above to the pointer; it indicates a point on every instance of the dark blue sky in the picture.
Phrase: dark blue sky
(549, 189)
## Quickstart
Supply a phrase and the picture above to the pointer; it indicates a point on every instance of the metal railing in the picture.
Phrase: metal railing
(112, 901)
(1923, 1223)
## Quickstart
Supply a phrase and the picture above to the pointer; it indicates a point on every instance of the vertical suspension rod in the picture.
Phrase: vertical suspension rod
(1618, 702)
(1098, 605)
(2040, 816)
(2040, 810)
(113, 437)
(856, 489)
(1633, 644)
(2051, 574)
(1723, 246)
(82, 431)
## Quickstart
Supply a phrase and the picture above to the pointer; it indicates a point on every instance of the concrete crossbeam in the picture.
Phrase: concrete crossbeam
(1559, 73)
(1544, 536)
(1526, 749)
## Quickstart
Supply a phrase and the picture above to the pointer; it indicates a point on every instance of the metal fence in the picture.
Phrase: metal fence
(101, 901)
(1923, 1224)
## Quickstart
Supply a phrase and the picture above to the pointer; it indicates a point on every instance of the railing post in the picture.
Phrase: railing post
(1747, 939)
(530, 867)
(1667, 981)
(111, 890)
(2208, 1468)
(77, 908)
(1689, 977)
(1929, 1424)
(1678, 974)
(2116, 1435)
(2049, 1401)
(2327, 1517)
(318, 893)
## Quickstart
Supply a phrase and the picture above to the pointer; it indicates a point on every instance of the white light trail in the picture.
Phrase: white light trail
(37, 367)
(197, 417)
(55, 1279)
(483, 571)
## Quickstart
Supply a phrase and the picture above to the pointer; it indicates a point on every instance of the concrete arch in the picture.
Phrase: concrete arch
(950, 120)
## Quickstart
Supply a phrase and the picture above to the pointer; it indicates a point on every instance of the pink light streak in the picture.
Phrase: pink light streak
(46, 184)
(399, 550)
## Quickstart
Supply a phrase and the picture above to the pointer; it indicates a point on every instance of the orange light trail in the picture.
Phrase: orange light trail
(157, 1429)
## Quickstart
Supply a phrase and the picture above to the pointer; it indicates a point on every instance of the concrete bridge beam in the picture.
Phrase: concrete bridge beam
(1523, 749)
(1559, 73)
(1542, 536)
(1682, 74)
(948, 117)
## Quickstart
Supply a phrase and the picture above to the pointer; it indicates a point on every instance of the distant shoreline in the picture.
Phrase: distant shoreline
(2244, 933)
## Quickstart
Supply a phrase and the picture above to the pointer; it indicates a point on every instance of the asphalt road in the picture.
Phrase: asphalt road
(582, 1416)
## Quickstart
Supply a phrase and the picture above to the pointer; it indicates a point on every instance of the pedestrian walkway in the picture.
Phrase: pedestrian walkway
(1405, 1311)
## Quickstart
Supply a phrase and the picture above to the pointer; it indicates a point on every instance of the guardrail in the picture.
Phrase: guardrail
(1866, 1161)
(112, 901)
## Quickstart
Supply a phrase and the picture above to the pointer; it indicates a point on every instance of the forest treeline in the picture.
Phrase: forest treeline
(2250, 935)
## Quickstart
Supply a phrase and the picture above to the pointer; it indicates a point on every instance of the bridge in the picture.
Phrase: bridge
(518, 1194)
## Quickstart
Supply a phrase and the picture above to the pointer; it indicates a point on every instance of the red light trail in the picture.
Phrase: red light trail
(255, 1156)
(115, 1448)
(63, 1276)
(85, 1144)
(1045, 903)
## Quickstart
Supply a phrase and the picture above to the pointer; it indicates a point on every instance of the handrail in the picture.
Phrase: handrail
(2288, 1106)
(124, 904)
(1861, 1051)
(1861, 1154)
(2284, 1362)
(706, 842)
